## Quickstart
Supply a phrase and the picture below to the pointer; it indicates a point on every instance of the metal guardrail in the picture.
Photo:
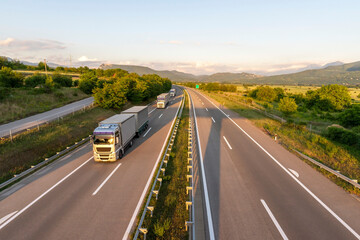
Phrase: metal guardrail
(190, 206)
(162, 168)
(41, 164)
(336, 173)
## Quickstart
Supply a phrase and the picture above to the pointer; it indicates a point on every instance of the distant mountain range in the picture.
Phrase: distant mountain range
(331, 73)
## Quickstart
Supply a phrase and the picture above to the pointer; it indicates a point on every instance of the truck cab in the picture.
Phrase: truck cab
(106, 141)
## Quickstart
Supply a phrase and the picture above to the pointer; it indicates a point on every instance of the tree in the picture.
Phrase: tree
(329, 98)
(10, 79)
(287, 106)
(351, 116)
(41, 66)
(264, 93)
(111, 95)
(88, 82)
(62, 80)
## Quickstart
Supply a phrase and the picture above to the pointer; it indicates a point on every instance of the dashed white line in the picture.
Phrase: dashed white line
(103, 183)
(206, 109)
(42, 195)
(282, 233)
(160, 115)
(213, 119)
(227, 142)
(147, 132)
(292, 176)
(152, 110)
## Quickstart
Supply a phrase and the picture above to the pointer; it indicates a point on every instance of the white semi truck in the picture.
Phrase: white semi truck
(172, 92)
(115, 134)
(162, 100)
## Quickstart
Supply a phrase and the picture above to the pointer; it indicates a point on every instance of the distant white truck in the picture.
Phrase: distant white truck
(172, 92)
(115, 134)
(162, 100)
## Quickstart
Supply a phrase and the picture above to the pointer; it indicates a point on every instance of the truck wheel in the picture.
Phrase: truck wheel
(120, 154)
(131, 143)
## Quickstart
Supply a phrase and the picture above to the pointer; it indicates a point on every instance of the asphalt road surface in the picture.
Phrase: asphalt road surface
(78, 198)
(38, 119)
(256, 189)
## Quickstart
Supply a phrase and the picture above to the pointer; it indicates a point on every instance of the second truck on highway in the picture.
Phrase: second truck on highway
(162, 100)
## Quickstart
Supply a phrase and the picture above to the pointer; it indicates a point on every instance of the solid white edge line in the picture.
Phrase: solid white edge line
(207, 201)
(106, 179)
(147, 132)
(3, 219)
(160, 115)
(213, 119)
(294, 172)
(227, 142)
(132, 220)
(42, 195)
(282, 233)
(293, 177)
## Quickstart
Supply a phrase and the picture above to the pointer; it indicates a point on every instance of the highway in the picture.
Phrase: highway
(256, 189)
(77, 198)
(41, 118)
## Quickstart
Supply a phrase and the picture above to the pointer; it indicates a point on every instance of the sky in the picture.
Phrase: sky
(199, 37)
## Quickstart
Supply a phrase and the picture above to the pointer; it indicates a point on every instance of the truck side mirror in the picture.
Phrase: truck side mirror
(117, 140)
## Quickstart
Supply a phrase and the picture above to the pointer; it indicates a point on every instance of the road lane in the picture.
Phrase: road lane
(70, 211)
(249, 169)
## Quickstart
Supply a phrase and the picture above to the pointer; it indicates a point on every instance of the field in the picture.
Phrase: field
(26, 102)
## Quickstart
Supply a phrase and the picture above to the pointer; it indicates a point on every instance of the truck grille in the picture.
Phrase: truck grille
(103, 149)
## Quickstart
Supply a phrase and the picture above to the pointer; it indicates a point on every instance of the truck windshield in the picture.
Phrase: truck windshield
(103, 139)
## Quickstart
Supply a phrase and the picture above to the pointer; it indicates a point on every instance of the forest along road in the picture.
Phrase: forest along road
(38, 119)
(77, 198)
(259, 190)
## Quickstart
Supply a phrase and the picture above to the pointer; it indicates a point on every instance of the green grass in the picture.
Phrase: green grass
(170, 212)
(32, 147)
(24, 102)
(337, 156)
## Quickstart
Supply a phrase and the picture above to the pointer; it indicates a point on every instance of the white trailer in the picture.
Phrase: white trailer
(141, 116)
(112, 137)
(172, 92)
(162, 100)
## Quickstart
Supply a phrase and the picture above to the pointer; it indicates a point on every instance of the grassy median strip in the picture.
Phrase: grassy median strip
(333, 155)
(170, 214)
(32, 147)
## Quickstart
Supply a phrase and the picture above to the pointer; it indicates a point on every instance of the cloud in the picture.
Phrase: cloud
(172, 42)
(31, 45)
(86, 59)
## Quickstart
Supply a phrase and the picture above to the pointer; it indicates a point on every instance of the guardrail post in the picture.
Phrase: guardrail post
(156, 192)
(188, 188)
(143, 231)
(188, 224)
(188, 203)
(151, 209)
(160, 181)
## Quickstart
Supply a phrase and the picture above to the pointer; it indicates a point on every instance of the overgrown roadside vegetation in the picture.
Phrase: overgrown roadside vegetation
(22, 103)
(170, 214)
(32, 147)
(338, 156)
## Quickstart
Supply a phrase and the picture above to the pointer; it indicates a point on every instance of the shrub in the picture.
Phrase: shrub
(10, 79)
(35, 80)
(4, 93)
(62, 80)
(264, 93)
(287, 106)
(87, 82)
(351, 116)
(342, 136)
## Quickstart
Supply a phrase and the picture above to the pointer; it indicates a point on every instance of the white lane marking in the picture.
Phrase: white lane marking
(282, 233)
(132, 220)
(147, 132)
(294, 172)
(227, 142)
(167, 107)
(160, 115)
(293, 177)
(206, 109)
(6, 217)
(152, 110)
(213, 119)
(103, 183)
(207, 201)
(42, 195)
